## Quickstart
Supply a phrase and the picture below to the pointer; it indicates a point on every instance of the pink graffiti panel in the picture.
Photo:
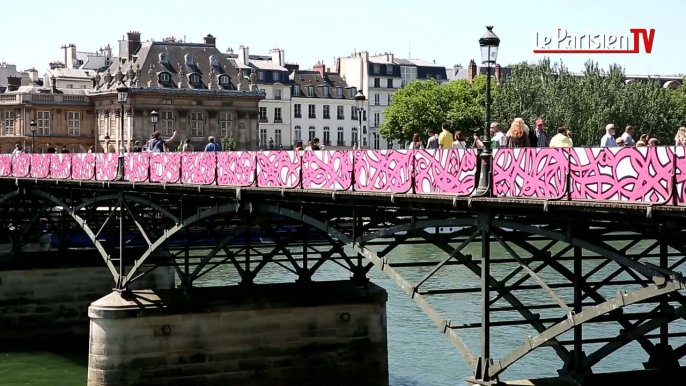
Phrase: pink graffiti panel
(679, 152)
(383, 170)
(444, 171)
(5, 165)
(327, 169)
(60, 165)
(136, 167)
(621, 174)
(40, 165)
(278, 169)
(83, 166)
(198, 168)
(106, 166)
(21, 165)
(236, 168)
(165, 167)
(530, 172)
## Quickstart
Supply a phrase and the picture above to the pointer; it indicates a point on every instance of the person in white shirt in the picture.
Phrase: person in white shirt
(497, 135)
(459, 142)
(628, 135)
(608, 139)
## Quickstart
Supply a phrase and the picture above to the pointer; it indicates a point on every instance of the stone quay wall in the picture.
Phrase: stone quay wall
(36, 303)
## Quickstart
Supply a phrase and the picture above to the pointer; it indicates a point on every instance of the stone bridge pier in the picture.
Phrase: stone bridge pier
(317, 333)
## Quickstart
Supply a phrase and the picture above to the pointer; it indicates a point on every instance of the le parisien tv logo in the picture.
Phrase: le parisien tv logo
(594, 43)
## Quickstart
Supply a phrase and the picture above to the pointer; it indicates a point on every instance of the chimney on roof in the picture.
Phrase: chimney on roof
(471, 71)
(69, 55)
(53, 84)
(244, 55)
(33, 75)
(278, 56)
(133, 39)
(321, 68)
(13, 83)
(209, 39)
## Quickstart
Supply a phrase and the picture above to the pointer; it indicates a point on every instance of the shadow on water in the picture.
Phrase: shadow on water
(55, 361)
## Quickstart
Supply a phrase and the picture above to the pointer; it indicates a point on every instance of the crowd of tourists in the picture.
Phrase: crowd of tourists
(520, 135)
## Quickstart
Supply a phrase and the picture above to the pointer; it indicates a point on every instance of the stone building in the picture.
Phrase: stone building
(64, 117)
(195, 89)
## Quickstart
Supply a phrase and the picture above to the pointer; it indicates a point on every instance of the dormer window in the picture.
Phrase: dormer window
(246, 73)
(353, 92)
(195, 78)
(325, 92)
(276, 76)
(339, 92)
(213, 61)
(310, 91)
(163, 58)
(377, 68)
(224, 80)
(260, 75)
(165, 77)
(189, 59)
(296, 91)
(389, 69)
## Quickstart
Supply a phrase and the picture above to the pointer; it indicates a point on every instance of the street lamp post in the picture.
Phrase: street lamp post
(359, 102)
(154, 118)
(489, 53)
(33, 136)
(122, 97)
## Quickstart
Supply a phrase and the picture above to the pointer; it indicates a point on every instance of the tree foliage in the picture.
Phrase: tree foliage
(583, 104)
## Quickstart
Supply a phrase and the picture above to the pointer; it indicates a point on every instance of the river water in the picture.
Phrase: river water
(419, 355)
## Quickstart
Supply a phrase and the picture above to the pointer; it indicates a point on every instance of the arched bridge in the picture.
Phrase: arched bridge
(565, 239)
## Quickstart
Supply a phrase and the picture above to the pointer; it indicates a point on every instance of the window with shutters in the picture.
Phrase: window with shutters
(167, 121)
(225, 124)
(9, 122)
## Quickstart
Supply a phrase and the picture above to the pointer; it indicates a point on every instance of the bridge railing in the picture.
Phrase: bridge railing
(645, 174)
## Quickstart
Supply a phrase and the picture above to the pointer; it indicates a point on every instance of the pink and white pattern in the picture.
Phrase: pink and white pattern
(278, 169)
(530, 172)
(136, 167)
(641, 174)
(326, 169)
(383, 170)
(40, 165)
(236, 168)
(82, 166)
(444, 171)
(5, 165)
(165, 167)
(106, 166)
(198, 168)
(60, 165)
(21, 165)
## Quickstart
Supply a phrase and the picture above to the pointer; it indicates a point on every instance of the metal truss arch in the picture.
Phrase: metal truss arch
(78, 219)
(623, 299)
(658, 278)
(127, 197)
(171, 232)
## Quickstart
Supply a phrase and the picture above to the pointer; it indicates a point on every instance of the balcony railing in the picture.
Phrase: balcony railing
(43, 98)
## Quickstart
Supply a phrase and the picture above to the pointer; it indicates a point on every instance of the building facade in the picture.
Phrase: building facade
(378, 77)
(272, 79)
(195, 89)
(323, 106)
(63, 118)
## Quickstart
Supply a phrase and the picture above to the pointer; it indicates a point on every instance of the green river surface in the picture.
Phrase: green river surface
(419, 355)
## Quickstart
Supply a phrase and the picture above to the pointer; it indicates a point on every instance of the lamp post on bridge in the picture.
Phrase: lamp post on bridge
(359, 102)
(122, 97)
(33, 136)
(489, 53)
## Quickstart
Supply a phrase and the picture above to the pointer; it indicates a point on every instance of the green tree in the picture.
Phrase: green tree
(228, 143)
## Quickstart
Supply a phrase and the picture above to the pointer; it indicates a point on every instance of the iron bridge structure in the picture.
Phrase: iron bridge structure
(554, 269)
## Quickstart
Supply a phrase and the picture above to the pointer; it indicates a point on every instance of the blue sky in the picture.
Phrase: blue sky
(442, 30)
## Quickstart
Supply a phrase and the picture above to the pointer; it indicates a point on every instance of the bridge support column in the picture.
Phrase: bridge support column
(38, 303)
(318, 333)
